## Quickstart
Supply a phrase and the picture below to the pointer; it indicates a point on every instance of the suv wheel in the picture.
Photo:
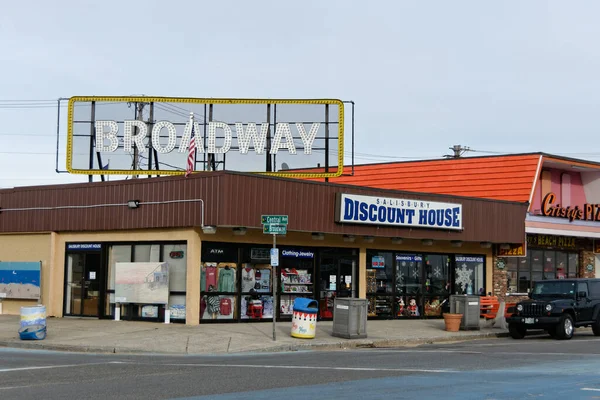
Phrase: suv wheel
(565, 327)
(516, 331)
(596, 327)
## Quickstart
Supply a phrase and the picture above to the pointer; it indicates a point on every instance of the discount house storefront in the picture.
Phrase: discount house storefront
(196, 247)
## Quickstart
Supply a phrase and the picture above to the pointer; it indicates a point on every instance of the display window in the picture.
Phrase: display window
(380, 284)
(296, 276)
(174, 254)
(468, 275)
(538, 265)
(416, 285)
(217, 291)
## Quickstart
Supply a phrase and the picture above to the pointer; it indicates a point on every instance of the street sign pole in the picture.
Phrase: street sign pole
(274, 225)
(275, 277)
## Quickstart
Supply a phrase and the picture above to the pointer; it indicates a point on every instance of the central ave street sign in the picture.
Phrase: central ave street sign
(274, 219)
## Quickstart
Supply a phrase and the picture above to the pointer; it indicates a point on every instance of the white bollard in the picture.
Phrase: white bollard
(167, 316)
(117, 312)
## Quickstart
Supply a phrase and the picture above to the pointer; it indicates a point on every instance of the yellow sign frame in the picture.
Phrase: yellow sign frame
(191, 100)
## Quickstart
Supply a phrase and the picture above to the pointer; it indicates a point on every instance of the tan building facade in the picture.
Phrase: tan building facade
(207, 230)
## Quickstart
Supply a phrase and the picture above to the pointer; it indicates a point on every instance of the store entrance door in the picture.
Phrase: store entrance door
(337, 278)
(82, 284)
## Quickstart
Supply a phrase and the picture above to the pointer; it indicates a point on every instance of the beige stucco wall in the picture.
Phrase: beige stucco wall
(28, 247)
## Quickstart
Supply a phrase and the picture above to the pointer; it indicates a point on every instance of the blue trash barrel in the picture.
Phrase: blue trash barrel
(304, 318)
(33, 323)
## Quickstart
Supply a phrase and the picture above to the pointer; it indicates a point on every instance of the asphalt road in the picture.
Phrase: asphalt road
(492, 369)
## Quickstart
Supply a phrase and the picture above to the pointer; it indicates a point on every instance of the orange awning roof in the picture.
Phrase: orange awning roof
(509, 177)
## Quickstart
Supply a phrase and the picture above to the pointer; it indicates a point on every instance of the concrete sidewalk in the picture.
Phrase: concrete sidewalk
(108, 336)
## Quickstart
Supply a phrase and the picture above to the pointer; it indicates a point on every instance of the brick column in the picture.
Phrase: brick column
(499, 278)
(587, 258)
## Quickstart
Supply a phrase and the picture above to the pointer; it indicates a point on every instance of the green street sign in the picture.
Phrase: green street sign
(275, 229)
(274, 219)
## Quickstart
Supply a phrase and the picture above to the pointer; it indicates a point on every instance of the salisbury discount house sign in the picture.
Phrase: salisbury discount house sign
(372, 210)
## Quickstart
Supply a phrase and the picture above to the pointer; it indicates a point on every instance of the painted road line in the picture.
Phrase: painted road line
(507, 353)
(57, 366)
(315, 367)
(591, 389)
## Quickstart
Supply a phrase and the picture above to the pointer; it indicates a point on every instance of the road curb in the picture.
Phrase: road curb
(342, 345)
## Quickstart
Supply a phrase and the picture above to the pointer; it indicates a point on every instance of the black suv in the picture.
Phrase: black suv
(558, 306)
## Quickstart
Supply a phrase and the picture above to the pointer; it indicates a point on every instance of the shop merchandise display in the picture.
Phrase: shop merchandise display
(220, 276)
(226, 278)
(248, 279)
(433, 307)
(216, 307)
(407, 307)
(255, 306)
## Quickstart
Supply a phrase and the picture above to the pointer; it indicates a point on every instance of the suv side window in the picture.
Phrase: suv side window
(595, 289)
(583, 287)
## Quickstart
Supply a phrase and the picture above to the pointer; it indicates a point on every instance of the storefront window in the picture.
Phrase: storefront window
(218, 282)
(538, 265)
(256, 284)
(573, 265)
(468, 275)
(409, 270)
(296, 275)
(380, 283)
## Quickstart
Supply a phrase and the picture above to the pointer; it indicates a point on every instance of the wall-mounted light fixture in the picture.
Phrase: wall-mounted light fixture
(397, 240)
(505, 246)
(240, 231)
(349, 238)
(427, 242)
(486, 245)
(209, 229)
(133, 203)
(318, 236)
(456, 243)
(368, 239)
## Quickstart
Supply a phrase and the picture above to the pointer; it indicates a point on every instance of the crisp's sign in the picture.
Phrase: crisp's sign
(170, 136)
(388, 211)
(588, 212)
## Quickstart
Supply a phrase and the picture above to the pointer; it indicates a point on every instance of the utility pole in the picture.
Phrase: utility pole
(458, 150)
(139, 108)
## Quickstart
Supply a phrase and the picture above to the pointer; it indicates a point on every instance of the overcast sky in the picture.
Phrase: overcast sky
(505, 76)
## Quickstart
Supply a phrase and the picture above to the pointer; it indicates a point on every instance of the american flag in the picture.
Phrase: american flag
(191, 160)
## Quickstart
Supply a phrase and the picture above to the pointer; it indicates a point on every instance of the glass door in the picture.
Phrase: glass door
(337, 278)
(82, 286)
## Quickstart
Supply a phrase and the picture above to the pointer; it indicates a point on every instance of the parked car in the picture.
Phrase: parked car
(558, 306)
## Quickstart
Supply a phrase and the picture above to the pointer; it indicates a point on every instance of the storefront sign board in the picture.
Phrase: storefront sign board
(587, 212)
(248, 131)
(515, 250)
(371, 210)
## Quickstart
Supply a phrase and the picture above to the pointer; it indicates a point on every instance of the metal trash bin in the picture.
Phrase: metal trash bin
(350, 318)
(469, 307)
(304, 318)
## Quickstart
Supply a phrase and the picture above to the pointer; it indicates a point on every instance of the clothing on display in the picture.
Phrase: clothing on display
(225, 306)
(214, 304)
(226, 279)
(248, 279)
(211, 277)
